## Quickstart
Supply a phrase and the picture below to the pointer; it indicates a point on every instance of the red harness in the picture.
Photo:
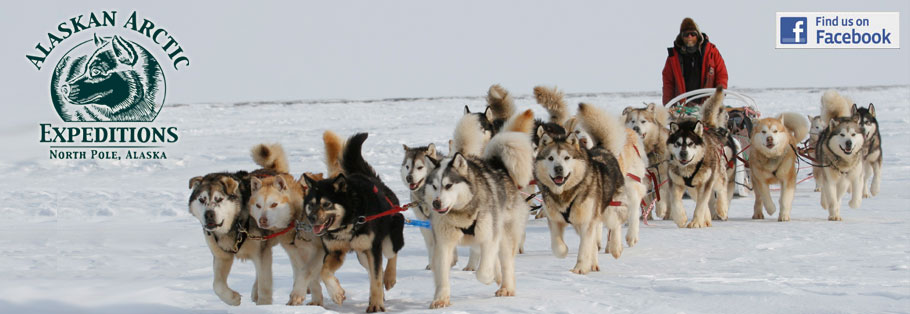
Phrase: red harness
(395, 209)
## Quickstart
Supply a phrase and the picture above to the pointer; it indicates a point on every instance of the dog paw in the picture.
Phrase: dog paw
(296, 299)
(338, 297)
(484, 276)
(817, 189)
(631, 240)
(503, 292)
(866, 194)
(758, 216)
(856, 202)
(264, 300)
(428, 267)
(581, 269)
(373, 308)
(615, 250)
(440, 303)
(560, 250)
(234, 299)
(521, 250)
(698, 224)
(468, 268)
(834, 218)
(255, 294)
(316, 303)
(783, 218)
(388, 282)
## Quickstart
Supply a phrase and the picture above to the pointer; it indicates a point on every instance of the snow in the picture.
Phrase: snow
(116, 237)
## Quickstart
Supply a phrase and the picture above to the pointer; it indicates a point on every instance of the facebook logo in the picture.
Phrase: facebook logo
(793, 30)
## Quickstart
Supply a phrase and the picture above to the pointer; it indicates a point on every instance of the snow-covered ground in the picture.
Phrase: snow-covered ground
(116, 237)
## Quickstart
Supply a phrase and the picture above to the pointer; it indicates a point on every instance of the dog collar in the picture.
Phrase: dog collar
(688, 180)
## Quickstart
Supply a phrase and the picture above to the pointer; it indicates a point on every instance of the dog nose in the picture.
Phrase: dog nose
(683, 154)
(409, 178)
(557, 169)
(849, 143)
(437, 204)
(263, 221)
(209, 215)
(636, 129)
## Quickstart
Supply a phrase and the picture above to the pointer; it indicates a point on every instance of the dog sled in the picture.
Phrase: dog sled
(739, 123)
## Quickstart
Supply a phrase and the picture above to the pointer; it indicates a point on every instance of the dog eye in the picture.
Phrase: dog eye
(96, 72)
(258, 206)
(567, 158)
(448, 186)
(843, 135)
(326, 204)
(407, 167)
(550, 159)
(274, 205)
(775, 131)
(218, 200)
(691, 144)
(434, 187)
(764, 132)
(420, 168)
(202, 199)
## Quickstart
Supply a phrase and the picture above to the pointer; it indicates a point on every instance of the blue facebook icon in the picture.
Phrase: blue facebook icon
(793, 30)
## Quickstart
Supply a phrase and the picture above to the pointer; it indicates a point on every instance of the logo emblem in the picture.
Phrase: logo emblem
(108, 79)
(793, 30)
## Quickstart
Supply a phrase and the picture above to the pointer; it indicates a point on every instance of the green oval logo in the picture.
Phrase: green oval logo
(108, 79)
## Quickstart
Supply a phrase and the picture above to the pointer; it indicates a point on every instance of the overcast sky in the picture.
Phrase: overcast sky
(261, 50)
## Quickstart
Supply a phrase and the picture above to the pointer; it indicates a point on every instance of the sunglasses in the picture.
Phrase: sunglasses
(687, 34)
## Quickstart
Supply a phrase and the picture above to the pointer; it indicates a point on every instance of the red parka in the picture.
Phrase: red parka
(713, 71)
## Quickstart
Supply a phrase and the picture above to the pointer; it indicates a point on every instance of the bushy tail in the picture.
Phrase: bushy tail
(352, 161)
(712, 108)
(522, 122)
(661, 115)
(835, 106)
(270, 156)
(552, 100)
(605, 130)
(469, 138)
(514, 151)
(333, 146)
(796, 123)
(500, 102)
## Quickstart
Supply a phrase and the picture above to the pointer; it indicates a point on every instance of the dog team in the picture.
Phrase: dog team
(591, 170)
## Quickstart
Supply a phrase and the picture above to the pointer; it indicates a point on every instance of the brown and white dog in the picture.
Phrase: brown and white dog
(651, 124)
(773, 160)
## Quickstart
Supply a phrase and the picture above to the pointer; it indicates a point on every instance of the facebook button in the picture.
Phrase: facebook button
(793, 30)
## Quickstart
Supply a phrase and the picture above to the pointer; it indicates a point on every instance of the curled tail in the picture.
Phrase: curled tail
(835, 106)
(552, 100)
(605, 130)
(333, 146)
(712, 108)
(796, 123)
(661, 115)
(469, 138)
(500, 102)
(352, 161)
(514, 151)
(270, 156)
(522, 122)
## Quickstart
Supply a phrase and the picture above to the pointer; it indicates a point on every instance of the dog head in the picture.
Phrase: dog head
(218, 200)
(274, 200)
(817, 126)
(644, 121)
(414, 167)
(109, 78)
(550, 128)
(326, 203)
(448, 187)
(574, 127)
(486, 120)
(844, 136)
(867, 120)
(561, 162)
(739, 122)
(770, 136)
(686, 142)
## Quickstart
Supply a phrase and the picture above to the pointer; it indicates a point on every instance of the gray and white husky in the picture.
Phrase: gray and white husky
(476, 200)
(839, 154)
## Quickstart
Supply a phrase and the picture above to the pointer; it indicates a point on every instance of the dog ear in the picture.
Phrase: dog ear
(255, 184)
(431, 150)
(699, 128)
(572, 139)
(651, 107)
(810, 117)
(124, 51)
(431, 160)
(451, 146)
(281, 183)
(626, 111)
(674, 127)
(853, 110)
(195, 181)
(230, 185)
(540, 131)
(872, 110)
(467, 110)
(488, 113)
(832, 123)
(459, 162)
(405, 147)
(308, 181)
(340, 184)
(545, 140)
(99, 40)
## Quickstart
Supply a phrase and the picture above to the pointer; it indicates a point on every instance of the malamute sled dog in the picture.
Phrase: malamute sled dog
(872, 151)
(773, 160)
(579, 184)
(700, 154)
(219, 201)
(276, 204)
(839, 154)
(341, 210)
(476, 200)
(817, 126)
(650, 123)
